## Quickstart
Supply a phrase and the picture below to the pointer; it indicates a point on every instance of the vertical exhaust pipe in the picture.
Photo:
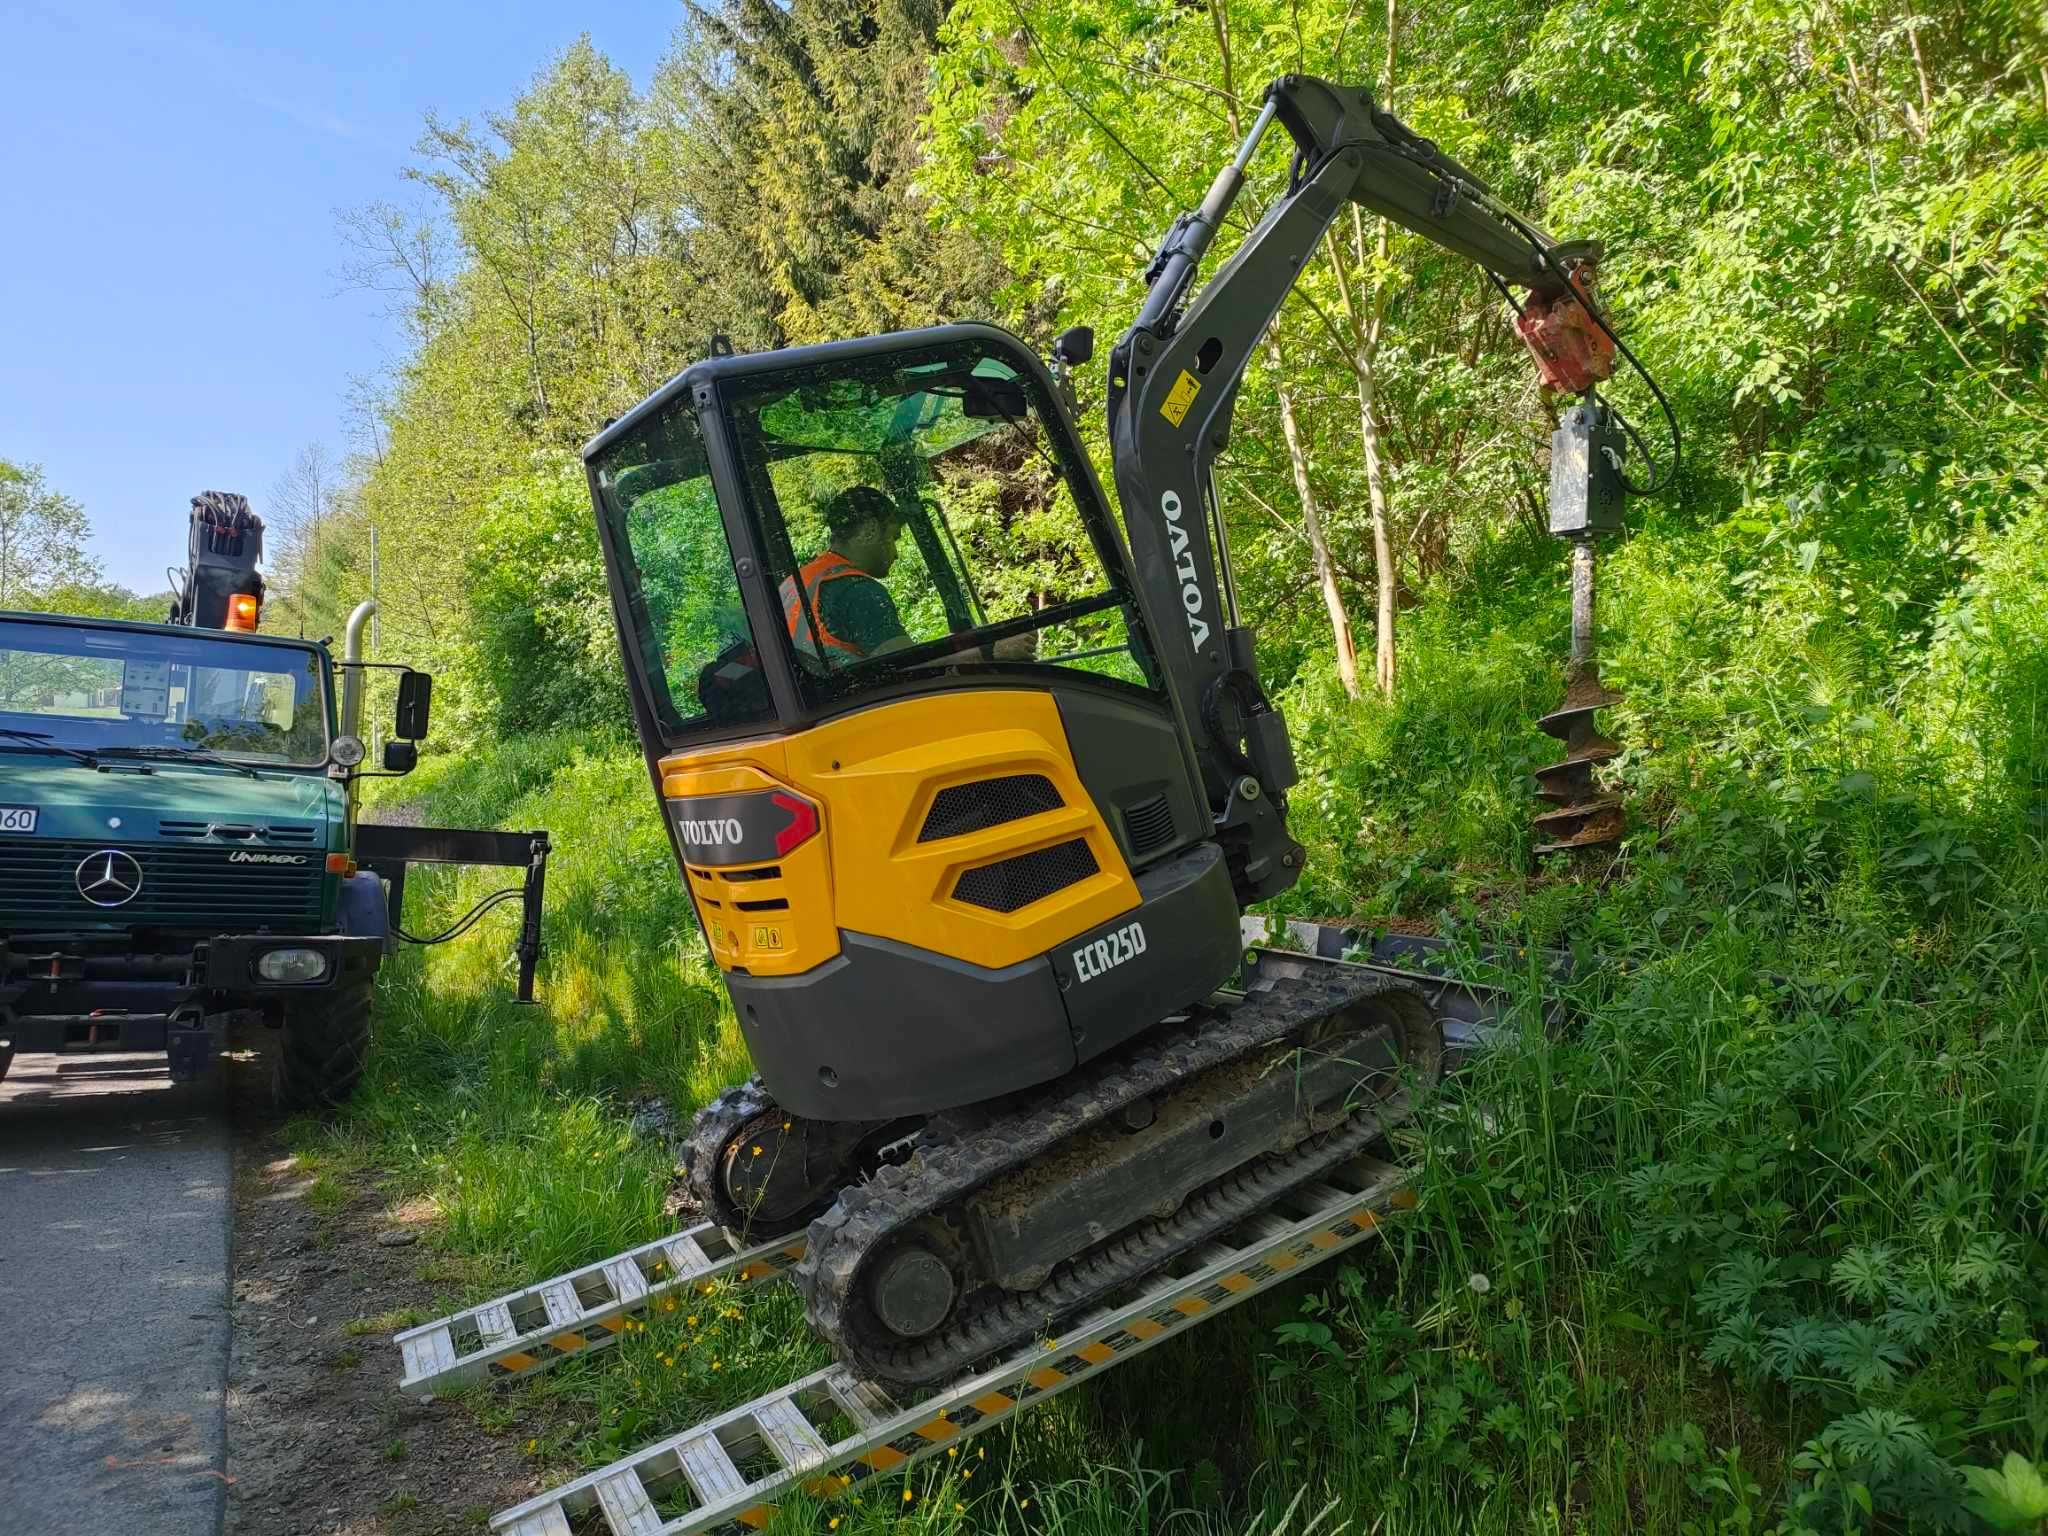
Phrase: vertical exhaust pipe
(352, 687)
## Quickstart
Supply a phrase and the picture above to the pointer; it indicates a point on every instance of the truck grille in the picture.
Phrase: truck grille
(195, 887)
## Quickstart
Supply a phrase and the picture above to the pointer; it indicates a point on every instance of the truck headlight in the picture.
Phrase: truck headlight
(289, 965)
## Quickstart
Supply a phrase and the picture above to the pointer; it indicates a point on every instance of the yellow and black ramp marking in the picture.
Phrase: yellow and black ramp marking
(585, 1309)
(829, 1432)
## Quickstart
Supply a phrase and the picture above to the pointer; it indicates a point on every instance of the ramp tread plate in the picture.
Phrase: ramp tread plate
(789, 1433)
(559, 1297)
(626, 1505)
(710, 1471)
(494, 1323)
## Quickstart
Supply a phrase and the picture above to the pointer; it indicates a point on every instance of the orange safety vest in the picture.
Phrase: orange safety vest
(803, 588)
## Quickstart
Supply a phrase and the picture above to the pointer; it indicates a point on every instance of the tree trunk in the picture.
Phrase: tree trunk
(1364, 335)
(1382, 537)
(1318, 541)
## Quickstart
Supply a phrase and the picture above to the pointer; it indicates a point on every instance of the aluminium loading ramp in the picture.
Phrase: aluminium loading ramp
(585, 1310)
(829, 1432)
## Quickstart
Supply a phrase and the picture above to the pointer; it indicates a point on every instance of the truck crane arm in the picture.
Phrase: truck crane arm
(1173, 384)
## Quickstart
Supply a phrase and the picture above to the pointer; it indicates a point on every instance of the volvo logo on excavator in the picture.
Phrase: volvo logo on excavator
(749, 828)
(713, 833)
(1184, 566)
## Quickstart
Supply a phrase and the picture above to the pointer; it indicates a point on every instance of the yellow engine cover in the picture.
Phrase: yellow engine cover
(874, 775)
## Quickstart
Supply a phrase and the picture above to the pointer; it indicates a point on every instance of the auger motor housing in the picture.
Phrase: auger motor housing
(1586, 487)
(222, 588)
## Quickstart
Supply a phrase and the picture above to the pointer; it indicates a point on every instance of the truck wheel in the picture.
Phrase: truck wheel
(320, 1051)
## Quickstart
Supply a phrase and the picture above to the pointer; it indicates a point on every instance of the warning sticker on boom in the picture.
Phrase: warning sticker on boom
(1180, 397)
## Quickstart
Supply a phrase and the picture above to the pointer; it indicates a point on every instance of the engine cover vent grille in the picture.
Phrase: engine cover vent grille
(237, 831)
(1009, 884)
(1148, 825)
(965, 808)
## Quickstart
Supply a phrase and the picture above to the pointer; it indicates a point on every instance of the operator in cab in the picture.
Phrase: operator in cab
(855, 617)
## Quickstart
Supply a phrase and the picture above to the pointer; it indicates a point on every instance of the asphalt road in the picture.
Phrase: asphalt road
(114, 1213)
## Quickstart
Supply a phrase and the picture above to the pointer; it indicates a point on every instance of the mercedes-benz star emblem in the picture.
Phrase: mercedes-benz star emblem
(109, 878)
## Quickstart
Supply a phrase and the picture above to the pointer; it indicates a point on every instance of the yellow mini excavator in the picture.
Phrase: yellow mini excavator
(970, 781)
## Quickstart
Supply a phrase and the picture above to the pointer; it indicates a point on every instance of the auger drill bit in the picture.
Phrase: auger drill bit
(1583, 818)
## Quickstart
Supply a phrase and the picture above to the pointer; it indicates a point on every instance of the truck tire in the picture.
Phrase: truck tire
(320, 1051)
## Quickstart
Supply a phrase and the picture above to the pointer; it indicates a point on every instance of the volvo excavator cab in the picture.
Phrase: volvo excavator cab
(956, 854)
(970, 781)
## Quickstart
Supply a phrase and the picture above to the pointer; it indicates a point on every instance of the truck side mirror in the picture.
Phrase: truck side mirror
(415, 693)
(400, 757)
(1075, 345)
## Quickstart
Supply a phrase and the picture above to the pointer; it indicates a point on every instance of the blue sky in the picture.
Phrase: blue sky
(171, 318)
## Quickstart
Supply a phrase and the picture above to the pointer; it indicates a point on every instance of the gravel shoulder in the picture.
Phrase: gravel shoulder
(320, 1440)
(113, 1263)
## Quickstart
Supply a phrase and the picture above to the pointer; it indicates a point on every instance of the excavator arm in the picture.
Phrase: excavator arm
(1173, 385)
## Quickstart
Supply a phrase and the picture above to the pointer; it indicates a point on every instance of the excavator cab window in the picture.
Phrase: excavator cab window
(923, 508)
(688, 620)
(871, 517)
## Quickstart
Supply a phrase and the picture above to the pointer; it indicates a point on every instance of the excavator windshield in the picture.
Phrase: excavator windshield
(915, 509)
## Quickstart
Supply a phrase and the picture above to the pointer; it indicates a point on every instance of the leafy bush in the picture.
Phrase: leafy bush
(540, 653)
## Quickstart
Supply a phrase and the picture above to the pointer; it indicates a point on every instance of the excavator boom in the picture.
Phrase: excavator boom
(1173, 385)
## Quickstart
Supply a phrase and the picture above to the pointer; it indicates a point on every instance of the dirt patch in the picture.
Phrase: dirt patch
(320, 1440)
(1408, 927)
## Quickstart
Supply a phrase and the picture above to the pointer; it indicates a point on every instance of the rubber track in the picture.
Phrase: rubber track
(947, 1168)
(703, 1155)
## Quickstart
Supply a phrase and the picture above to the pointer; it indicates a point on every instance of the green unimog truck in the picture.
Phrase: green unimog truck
(177, 837)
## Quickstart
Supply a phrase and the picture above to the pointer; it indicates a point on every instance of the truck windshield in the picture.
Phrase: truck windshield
(101, 690)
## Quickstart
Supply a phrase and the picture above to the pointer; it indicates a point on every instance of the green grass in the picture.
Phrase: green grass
(1754, 1245)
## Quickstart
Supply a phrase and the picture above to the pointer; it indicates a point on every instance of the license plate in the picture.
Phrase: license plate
(17, 818)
